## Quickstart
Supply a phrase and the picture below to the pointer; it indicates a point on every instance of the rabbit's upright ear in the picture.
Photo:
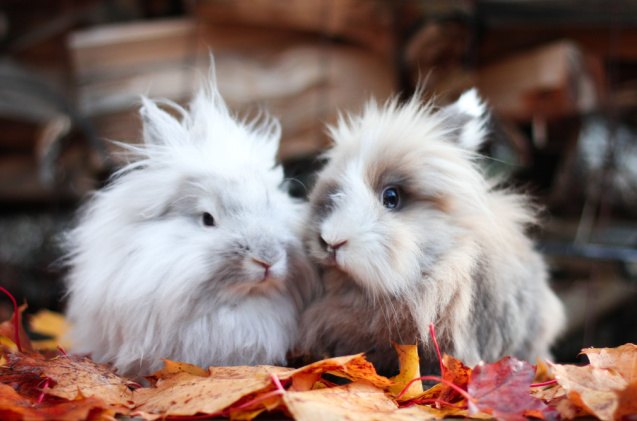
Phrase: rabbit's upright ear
(467, 119)
(159, 127)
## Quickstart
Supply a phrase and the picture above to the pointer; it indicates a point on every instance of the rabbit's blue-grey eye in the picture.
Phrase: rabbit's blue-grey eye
(208, 220)
(391, 197)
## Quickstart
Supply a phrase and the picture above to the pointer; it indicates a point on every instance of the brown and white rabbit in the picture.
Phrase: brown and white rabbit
(408, 232)
(193, 251)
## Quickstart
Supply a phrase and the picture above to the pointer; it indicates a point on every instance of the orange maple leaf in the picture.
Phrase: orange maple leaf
(14, 406)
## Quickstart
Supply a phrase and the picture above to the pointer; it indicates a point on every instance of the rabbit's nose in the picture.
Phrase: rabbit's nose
(331, 246)
(266, 265)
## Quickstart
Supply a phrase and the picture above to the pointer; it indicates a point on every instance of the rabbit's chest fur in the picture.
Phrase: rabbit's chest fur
(346, 321)
(257, 330)
(253, 331)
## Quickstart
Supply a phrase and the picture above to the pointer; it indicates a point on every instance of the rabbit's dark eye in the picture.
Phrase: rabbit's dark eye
(208, 220)
(391, 197)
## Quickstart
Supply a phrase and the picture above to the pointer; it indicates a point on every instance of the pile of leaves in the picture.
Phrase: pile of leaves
(49, 384)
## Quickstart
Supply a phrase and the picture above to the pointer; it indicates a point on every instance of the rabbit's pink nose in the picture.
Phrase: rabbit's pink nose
(263, 263)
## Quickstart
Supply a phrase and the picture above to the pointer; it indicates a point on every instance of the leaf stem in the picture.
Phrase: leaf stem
(277, 383)
(438, 401)
(191, 417)
(16, 320)
(432, 332)
(440, 380)
(133, 385)
(258, 399)
(280, 391)
(546, 383)
(42, 393)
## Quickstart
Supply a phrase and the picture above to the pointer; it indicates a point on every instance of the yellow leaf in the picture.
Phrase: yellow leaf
(409, 370)
(51, 324)
(7, 344)
(174, 367)
(352, 367)
(7, 329)
(245, 415)
(304, 381)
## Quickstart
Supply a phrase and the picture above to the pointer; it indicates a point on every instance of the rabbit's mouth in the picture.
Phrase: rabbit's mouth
(265, 285)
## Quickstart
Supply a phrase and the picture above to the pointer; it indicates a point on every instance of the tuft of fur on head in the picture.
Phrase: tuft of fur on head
(193, 250)
(424, 260)
(207, 136)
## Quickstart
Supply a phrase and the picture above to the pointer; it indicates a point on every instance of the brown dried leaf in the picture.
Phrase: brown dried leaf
(622, 359)
(594, 389)
(183, 394)
(550, 393)
(171, 368)
(627, 402)
(302, 382)
(542, 372)
(16, 407)
(409, 370)
(69, 377)
(449, 411)
(23, 373)
(355, 401)
(556, 398)
(360, 401)
(79, 375)
(569, 410)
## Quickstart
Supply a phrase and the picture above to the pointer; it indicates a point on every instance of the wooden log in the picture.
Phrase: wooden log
(366, 22)
(551, 81)
(298, 79)
(548, 82)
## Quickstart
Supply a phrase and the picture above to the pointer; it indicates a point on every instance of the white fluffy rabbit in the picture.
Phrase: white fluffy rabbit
(409, 232)
(193, 251)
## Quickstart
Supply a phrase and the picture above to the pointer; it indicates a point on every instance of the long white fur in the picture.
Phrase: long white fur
(148, 280)
(436, 261)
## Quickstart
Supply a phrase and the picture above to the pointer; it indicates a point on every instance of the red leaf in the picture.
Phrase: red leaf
(13, 328)
(16, 407)
(23, 374)
(67, 377)
(457, 373)
(503, 389)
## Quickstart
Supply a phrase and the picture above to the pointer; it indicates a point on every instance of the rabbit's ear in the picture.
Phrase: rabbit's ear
(159, 127)
(467, 119)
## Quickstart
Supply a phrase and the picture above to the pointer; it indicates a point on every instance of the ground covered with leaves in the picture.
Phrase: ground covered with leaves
(40, 381)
